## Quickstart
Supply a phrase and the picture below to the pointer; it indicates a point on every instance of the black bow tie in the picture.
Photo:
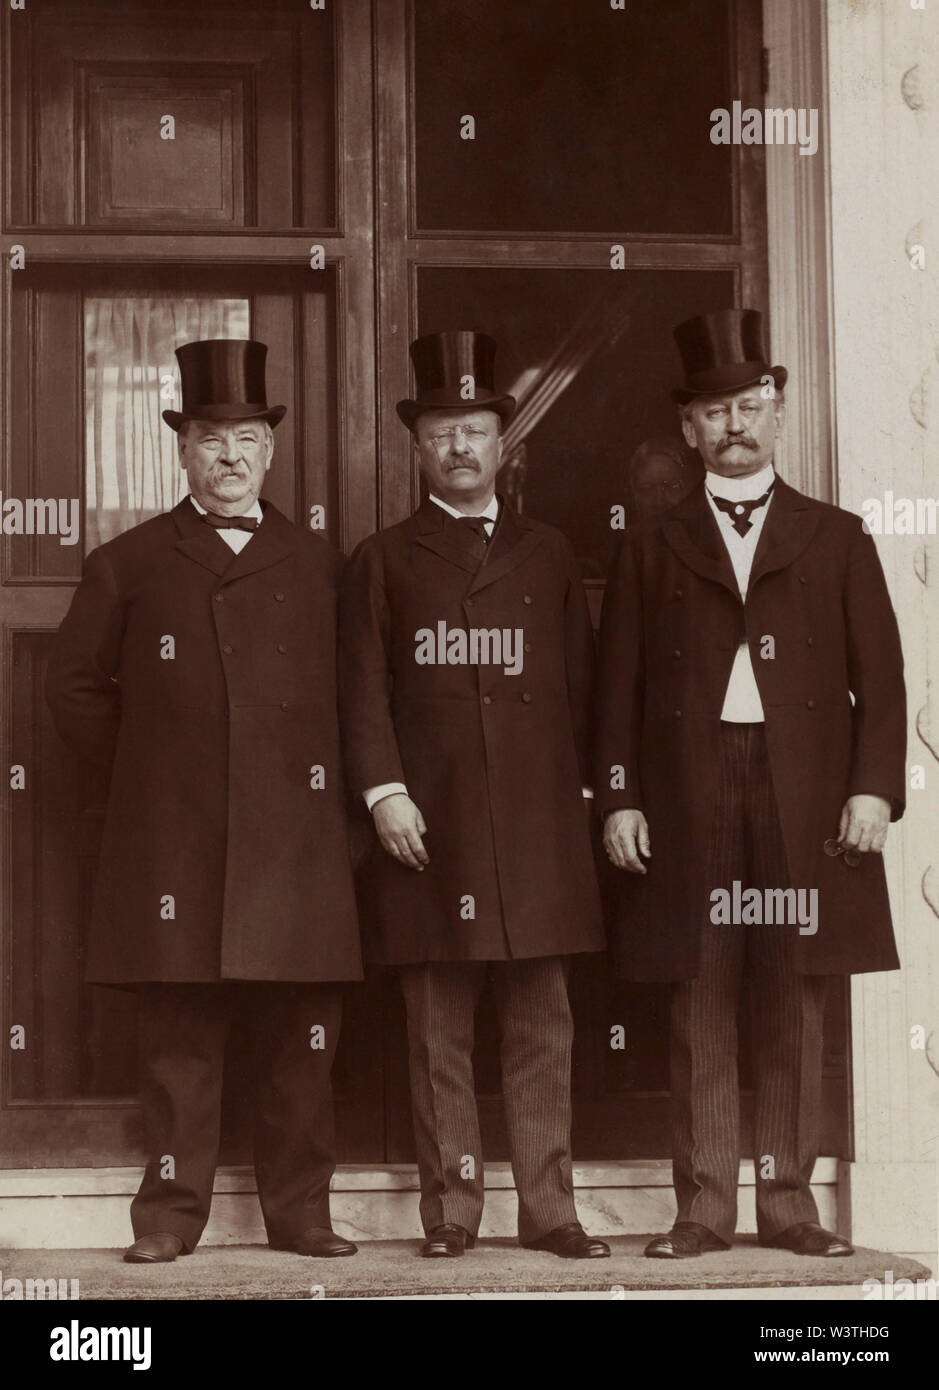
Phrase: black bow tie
(740, 511)
(231, 523)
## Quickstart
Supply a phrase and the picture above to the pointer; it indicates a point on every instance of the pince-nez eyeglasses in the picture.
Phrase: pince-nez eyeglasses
(852, 857)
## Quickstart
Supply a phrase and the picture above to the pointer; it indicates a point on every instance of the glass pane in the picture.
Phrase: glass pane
(131, 376)
(587, 119)
(590, 357)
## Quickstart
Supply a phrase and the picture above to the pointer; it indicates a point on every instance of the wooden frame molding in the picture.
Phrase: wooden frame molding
(797, 200)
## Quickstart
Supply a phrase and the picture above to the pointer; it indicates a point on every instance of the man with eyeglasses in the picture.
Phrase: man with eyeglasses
(752, 735)
(466, 656)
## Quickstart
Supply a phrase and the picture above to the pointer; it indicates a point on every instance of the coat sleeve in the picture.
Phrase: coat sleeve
(81, 683)
(580, 650)
(365, 673)
(620, 687)
(875, 675)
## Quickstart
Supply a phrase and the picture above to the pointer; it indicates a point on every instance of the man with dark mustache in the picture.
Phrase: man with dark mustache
(752, 730)
(474, 776)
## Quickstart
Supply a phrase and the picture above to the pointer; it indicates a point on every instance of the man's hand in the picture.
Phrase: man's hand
(400, 826)
(625, 837)
(864, 823)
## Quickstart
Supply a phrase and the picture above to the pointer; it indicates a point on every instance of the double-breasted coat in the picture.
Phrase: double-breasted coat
(495, 762)
(205, 681)
(831, 684)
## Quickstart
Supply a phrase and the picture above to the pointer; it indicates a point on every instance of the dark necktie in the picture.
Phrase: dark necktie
(231, 523)
(472, 530)
(740, 511)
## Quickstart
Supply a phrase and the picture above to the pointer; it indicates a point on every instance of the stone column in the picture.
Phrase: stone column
(883, 60)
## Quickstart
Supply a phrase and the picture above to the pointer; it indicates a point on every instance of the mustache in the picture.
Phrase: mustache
(745, 443)
(463, 461)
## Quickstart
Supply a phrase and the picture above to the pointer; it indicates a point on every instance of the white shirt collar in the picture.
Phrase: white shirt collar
(490, 512)
(741, 489)
(254, 511)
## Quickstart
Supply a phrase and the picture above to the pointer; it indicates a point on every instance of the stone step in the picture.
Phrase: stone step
(78, 1208)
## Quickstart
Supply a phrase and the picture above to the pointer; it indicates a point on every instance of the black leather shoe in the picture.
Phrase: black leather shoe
(446, 1241)
(320, 1242)
(809, 1238)
(685, 1240)
(570, 1241)
(159, 1247)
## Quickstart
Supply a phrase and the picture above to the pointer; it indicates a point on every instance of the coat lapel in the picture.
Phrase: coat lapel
(693, 535)
(433, 533)
(789, 526)
(272, 541)
(200, 542)
(514, 540)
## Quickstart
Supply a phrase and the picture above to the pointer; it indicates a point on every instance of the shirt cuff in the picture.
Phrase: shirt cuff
(375, 794)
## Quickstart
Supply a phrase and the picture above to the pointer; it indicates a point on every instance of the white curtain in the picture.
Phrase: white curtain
(131, 469)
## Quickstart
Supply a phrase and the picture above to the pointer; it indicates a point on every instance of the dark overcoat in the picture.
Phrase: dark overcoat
(206, 681)
(831, 684)
(496, 763)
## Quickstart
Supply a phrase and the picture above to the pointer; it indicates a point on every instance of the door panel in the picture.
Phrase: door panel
(573, 122)
(251, 90)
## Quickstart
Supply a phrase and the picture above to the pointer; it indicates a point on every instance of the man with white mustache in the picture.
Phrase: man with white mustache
(196, 666)
(752, 729)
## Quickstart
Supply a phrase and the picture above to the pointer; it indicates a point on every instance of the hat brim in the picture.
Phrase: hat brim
(214, 413)
(503, 406)
(683, 394)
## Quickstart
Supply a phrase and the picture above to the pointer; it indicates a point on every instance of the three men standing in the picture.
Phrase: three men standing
(751, 736)
(750, 746)
(197, 664)
(465, 680)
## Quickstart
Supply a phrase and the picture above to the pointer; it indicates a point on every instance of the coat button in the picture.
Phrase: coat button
(227, 649)
(487, 699)
(283, 704)
(678, 714)
(810, 704)
(810, 641)
(281, 648)
(526, 698)
(528, 646)
(527, 598)
(678, 593)
(802, 579)
(677, 652)
(219, 598)
(279, 597)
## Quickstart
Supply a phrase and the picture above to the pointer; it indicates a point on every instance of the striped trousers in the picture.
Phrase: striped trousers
(537, 1035)
(787, 1012)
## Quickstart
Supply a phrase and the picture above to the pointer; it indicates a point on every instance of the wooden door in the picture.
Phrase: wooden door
(176, 171)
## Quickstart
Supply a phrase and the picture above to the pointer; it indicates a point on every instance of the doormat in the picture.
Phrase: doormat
(392, 1269)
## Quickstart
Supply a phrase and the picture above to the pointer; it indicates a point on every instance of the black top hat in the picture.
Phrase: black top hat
(442, 361)
(723, 351)
(223, 379)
